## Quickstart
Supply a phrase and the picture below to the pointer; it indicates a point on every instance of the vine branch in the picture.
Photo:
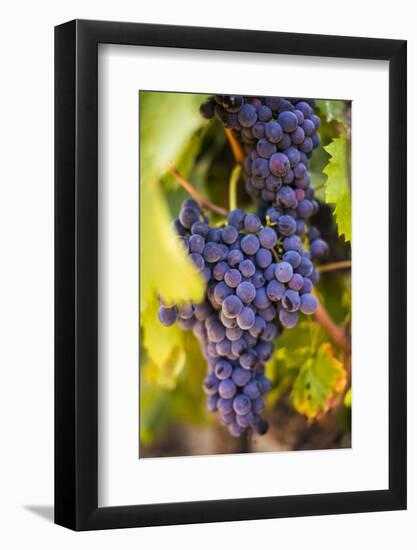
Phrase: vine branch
(333, 266)
(202, 201)
(235, 145)
(337, 333)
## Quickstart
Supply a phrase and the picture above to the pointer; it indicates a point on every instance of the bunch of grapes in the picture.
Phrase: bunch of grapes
(278, 137)
(255, 274)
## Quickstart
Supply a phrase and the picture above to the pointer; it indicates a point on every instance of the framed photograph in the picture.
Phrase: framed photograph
(230, 252)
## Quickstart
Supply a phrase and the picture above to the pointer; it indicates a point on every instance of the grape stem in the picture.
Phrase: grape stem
(333, 266)
(235, 145)
(234, 178)
(336, 333)
(204, 203)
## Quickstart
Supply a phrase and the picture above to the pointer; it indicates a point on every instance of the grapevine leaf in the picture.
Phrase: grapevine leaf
(332, 110)
(166, 123)
(319, 381)
(337, 185)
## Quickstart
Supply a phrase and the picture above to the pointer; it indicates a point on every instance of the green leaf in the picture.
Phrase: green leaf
(333, 109)
(319, 381)
(167, 121)
(337, 185)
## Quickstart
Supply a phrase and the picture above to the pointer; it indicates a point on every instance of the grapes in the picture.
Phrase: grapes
(258, 274)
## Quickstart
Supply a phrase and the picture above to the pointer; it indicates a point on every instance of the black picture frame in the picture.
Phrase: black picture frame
(76, 272)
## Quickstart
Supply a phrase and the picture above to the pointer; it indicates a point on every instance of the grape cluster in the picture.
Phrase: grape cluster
(278, 136)
(255, 273)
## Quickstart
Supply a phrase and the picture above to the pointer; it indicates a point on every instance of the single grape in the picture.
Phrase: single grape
(167, 315)
(246, 292)
(288, 319)
(308, 304)
(246, 318)
(252, 223)
(226, 388)
(236, 218)
(223, 370)
(242, 403)
(279, 164)
(232, 306)
(247, 116)
(250, 244)
(283, 272)
(232, 278)
(247, 268)
(273, 131)
(267, 237)
(288, 121)
(275, 290)
(241, 376)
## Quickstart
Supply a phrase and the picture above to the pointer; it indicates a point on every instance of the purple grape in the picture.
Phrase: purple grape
(232, 306)
(234, 333)
(247, 116)
(308, 304)
(232, 278)
(211, 384)
(275, 290)
(246, 319)
(219, 271)
(229, 234)
(265, 148)
(246, 292)
(291, 300)
(319, 248)
(288, 319)
(167, 315)
(283, 272)
(250, 244)
(273, 131)
(263, 258)
(241, 376)
(247, 268)
(242, 403)
(225, 406)
(223, 370)
(252, 223)
(236, 218)
(279, 164)
(296, 282)
(227, 388)
(288, 121)
(196, 244)
(267, 237)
